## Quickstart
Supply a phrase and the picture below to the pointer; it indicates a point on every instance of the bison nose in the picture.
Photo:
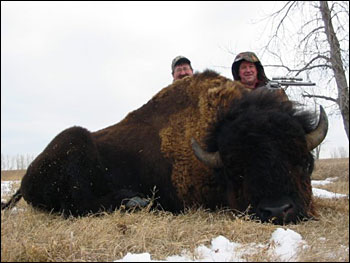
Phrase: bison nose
(275, 214)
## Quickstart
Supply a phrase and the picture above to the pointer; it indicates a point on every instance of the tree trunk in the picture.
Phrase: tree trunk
(337, 65)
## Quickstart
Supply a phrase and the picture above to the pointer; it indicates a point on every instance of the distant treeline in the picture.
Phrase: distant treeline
(17, 162)
(340, 152)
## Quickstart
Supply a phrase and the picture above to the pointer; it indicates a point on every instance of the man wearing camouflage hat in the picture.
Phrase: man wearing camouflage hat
(248, 69)
(181, 67)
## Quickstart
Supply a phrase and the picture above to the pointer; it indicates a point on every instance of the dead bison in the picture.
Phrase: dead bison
(202, 141)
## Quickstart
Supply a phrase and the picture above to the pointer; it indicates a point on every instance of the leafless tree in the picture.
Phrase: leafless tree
(343, 153)
(311, 39)
(3, 164)
(318, 151)
(18, 162)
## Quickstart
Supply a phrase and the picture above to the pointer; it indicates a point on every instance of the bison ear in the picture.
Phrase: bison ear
(212, 160)
(315, 137)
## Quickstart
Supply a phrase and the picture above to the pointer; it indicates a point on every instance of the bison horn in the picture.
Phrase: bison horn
(212, 160)
(314, 138)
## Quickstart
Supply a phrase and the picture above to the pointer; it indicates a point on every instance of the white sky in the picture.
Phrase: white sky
(90, 63)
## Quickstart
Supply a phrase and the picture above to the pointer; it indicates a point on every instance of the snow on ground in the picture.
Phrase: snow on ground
(7, 188)
(221, 250)
(284, 245)
(287, 243)
(324, 193)
(323, 182)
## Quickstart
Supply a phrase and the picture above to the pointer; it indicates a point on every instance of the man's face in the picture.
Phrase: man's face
(248, 73)
(181, 71)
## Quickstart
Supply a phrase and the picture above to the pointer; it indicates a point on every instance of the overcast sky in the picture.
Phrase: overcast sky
(90, 63)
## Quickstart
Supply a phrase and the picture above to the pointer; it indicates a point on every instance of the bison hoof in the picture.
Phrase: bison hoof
(136, 202)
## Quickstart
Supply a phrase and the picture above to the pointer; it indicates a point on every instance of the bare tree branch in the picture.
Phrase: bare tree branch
(319, 97)
(306, 67)
(312, 32)
(285, 15)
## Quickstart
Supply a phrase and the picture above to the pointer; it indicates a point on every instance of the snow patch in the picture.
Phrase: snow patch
(285, 244)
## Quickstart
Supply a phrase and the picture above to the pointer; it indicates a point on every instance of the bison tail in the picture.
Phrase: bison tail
(13, 201)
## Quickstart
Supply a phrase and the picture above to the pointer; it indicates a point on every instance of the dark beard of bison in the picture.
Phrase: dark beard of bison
(274, 197)
(280, 202)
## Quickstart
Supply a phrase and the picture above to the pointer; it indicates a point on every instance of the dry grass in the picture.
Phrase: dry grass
(12, 175)
(333, 168)
(30, 235)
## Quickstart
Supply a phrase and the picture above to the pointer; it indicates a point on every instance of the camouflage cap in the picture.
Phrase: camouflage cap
(178, 60)
(250, 57)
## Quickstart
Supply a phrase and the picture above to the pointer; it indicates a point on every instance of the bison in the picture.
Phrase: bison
(203, 141)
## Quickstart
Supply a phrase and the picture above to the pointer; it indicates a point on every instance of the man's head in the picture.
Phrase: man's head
(181, 67)
(248, 69)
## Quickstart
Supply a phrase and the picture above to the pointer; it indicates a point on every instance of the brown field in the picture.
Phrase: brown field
(30, 235)
(12, 175)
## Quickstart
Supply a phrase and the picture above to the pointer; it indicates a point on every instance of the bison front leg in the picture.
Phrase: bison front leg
(69, 177)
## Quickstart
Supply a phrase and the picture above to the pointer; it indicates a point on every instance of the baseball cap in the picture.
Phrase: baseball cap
(178, 60)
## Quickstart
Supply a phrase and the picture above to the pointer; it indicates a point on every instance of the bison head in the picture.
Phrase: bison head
(260, 149)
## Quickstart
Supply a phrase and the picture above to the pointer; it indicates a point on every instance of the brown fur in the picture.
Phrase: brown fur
(178, 112)
(192, 178)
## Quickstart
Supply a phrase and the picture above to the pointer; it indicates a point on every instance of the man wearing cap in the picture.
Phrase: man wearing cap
(247, 69)
(181, 67)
